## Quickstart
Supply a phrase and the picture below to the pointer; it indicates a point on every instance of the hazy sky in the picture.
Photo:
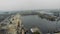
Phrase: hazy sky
(29, 4)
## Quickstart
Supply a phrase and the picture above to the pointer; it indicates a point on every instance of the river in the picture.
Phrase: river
(44, 25)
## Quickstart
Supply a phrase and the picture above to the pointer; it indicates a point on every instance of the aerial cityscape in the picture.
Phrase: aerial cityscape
(29, 16)
(30, 22)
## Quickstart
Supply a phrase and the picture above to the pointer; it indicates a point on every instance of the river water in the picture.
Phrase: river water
(44, 25)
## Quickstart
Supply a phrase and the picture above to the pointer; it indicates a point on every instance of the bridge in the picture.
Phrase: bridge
(12, 25)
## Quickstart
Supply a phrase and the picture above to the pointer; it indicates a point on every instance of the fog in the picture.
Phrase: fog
(29, 4)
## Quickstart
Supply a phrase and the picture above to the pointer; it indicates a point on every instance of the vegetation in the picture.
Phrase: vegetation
(36, 32)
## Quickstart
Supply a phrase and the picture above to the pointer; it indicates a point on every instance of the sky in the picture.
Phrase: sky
(29, 4)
